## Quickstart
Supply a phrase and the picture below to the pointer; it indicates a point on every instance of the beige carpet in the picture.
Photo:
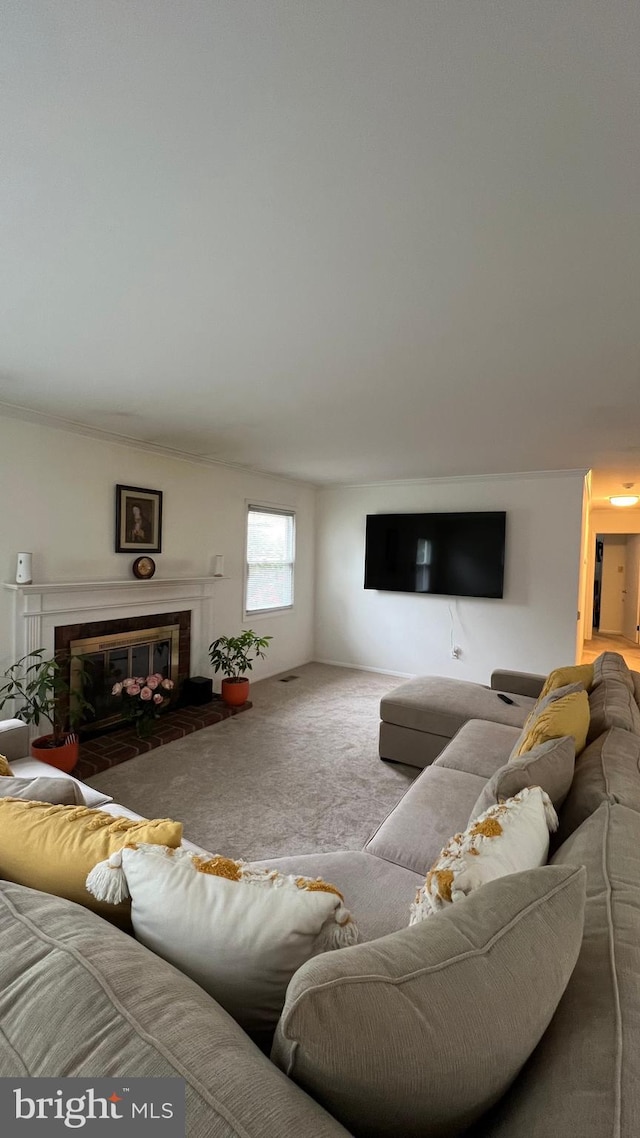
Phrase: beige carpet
(299, 773)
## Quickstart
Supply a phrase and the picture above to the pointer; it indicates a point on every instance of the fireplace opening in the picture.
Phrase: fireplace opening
(116, 649)
(113, 658)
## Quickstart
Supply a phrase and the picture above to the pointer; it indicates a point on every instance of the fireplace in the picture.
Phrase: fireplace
(130, 646)
(40, 612)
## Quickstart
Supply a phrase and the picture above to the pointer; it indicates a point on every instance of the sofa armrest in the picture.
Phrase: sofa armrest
(518, 683)
(14, 739)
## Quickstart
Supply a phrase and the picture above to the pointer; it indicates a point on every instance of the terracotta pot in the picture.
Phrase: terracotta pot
(64, 758)
(235, 692)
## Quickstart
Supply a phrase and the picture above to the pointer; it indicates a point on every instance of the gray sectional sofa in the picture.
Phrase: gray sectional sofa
(98, 1003)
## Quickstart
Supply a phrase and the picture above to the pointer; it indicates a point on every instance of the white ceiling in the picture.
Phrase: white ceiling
(342, 240)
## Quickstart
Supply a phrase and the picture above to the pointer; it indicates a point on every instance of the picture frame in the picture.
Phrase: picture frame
(138, 520)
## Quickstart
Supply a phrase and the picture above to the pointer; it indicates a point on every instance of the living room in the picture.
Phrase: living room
(337, 260)
(161, 365)
(64, 514)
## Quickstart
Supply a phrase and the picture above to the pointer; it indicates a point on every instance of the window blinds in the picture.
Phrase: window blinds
(270, 559)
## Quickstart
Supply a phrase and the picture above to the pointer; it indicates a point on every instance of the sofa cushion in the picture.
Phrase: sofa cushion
(5, 769)
(239, 932)
(549, 765)
(441, 706)
(53, 848)
(62, 791)
(14, 738)
(611, 704)
(611, 665)
(509, 837)
(33, 768)
(418, 1033)
(98, 1003)
(584, 1077)
(434, 807)
(379, 893)
(607, 771)
(568, 715)
(479, 748)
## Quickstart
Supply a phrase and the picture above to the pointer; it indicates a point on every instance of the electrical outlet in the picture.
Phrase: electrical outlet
(456, 653)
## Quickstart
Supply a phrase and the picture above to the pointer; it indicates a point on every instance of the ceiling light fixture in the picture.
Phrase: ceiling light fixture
(625, 499)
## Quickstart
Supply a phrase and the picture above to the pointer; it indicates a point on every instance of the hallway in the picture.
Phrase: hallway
(626, 648)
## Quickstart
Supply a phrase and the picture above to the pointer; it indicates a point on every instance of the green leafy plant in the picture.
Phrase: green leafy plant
(234, 655)
(42, 689)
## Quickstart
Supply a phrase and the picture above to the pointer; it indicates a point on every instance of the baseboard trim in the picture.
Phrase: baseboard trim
(277, 672)
(365, 668)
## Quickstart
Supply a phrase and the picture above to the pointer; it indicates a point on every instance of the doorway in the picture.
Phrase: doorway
(616, 586)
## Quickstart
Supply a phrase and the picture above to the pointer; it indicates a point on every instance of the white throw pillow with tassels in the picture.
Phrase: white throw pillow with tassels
(508, 838)
(240, 933)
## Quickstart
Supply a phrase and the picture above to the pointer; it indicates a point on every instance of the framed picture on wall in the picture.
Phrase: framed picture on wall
(138, 520)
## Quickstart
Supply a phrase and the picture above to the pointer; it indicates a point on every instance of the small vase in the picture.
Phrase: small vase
(144, 727)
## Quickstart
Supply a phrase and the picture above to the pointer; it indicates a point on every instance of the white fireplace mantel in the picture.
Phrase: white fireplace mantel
(121, 583)
(40, 608)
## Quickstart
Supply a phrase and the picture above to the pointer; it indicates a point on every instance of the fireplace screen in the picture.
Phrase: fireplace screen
(113, 658)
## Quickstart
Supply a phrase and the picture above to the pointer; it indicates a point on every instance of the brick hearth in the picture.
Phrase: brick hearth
(118, 746)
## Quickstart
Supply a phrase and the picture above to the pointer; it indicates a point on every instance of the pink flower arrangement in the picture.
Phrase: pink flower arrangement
(144, 696)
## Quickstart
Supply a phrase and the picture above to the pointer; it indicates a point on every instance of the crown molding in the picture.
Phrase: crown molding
(443, 479)
(75, 427)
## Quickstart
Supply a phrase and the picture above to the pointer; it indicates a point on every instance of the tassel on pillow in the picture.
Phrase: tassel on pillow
(107, 880)
(549, 813)
(340, 931)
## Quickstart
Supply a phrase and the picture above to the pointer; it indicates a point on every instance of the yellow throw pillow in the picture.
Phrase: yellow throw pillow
(572, 674)
(567, 716)
(5, 769)
(53, 848)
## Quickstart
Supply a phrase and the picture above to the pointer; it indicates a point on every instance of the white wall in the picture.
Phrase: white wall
(57, 490)
(584, 627)
(614, 560)
(614, 519)
(632, 585)
(532, 628)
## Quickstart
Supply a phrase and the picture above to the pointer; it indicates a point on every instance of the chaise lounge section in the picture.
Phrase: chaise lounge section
(420, 717)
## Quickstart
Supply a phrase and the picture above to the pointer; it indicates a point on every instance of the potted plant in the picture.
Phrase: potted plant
(41, 688)
(233, 656)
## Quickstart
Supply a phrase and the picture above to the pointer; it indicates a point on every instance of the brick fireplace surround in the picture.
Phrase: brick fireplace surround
(118, 746)
(40, 609)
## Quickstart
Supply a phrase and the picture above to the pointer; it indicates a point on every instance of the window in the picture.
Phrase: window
(270, 559)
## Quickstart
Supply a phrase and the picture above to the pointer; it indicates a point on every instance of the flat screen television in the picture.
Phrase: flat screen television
(455, 555)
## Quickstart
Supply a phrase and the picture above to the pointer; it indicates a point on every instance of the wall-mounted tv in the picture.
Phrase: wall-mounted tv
(455, 555)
